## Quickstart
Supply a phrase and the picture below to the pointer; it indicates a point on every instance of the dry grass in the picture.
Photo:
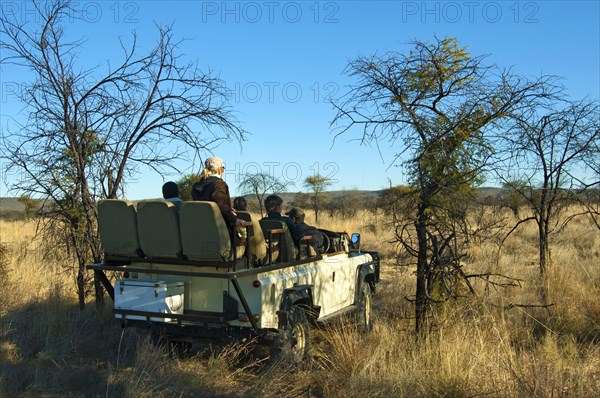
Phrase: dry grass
(480, 346)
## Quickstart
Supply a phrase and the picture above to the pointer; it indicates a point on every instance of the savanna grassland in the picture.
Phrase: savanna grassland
(496, 343)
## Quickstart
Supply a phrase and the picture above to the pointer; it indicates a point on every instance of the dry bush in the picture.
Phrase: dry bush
(377, 234)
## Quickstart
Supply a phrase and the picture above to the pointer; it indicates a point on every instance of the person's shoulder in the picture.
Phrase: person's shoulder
(310, 226)
(217, 181)
(200, 182)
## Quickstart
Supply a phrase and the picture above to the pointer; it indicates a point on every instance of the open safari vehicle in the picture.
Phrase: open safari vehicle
(180, 275)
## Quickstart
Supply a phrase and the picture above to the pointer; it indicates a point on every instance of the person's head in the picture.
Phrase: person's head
(213, 165)
(240, 204)
(296, 214)
(273, 204)
(170, 190)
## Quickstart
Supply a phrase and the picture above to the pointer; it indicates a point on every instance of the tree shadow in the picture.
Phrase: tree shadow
(52, 348)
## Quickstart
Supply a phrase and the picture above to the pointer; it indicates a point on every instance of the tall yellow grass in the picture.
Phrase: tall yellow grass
(493, 344)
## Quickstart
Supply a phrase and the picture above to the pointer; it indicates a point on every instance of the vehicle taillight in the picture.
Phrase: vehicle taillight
(256, 283)
(126, 275)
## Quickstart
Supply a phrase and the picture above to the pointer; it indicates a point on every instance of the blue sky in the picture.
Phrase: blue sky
(284, 59)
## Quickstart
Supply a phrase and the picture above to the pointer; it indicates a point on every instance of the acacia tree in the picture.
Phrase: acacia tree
(437, 103)
(260, 184)
(548, 151)
(317, 185)
(89, 130)
(185, 184)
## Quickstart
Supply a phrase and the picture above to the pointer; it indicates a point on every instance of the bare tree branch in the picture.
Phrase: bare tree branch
(89, 131)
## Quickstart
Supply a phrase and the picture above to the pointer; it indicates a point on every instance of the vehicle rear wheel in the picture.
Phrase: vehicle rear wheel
(293, 343)
(364, 318)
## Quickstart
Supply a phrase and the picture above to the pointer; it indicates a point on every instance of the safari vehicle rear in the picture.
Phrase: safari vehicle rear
(179, 275)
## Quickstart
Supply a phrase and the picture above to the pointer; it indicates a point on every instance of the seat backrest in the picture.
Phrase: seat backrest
(158, 229)
(204, 234)
(117, 225)
(258, 245)
(287, 250)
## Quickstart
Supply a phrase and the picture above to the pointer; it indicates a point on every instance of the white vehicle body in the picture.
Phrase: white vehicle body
(186, 299)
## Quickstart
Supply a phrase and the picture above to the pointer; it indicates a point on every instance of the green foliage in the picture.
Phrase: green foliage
(441, 105)
(317, 185)
(447, 69)
(185, 185)
(393, 198)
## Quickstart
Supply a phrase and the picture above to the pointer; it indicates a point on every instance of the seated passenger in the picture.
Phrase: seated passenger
(211, 187)
(240, 204)
(170, 192)
(273, 205)
(297, 215)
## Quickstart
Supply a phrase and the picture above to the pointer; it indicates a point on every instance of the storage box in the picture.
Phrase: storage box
(149, 296)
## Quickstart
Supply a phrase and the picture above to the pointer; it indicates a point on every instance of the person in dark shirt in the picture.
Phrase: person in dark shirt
(273, 205)
(211, 187)
(316, 237)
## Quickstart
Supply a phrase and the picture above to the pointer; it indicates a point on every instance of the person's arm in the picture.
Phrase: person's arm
(296, 232)
(317, 236)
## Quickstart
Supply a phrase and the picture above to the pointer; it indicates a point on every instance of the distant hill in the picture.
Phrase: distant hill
(289, 196)
(12, 209)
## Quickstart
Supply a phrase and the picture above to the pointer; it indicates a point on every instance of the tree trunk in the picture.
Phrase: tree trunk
(92, 239)
(99, 290)
(421, 298)
(81, 285)
(544, 253)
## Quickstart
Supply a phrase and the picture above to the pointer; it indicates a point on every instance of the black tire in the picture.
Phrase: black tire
(364, 317)
(293, 343)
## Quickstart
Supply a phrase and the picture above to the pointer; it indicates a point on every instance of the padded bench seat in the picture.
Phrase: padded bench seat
(157, 232)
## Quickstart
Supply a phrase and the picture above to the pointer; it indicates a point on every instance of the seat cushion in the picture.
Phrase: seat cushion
(287, 250)
(204, 235)
(258, 245)
(117, 226)
(158, 229)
